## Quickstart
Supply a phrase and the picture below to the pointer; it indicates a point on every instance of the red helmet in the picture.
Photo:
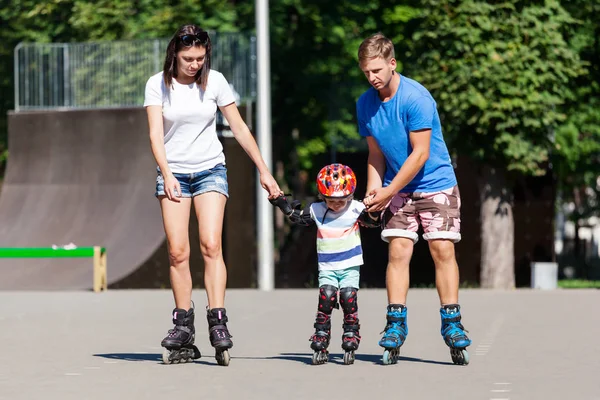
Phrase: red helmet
(336, 181)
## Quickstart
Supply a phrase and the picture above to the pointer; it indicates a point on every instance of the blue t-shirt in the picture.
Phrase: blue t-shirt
(412, 108)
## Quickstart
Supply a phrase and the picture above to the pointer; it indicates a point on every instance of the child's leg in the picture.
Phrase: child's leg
(328, 300)
(349, 284)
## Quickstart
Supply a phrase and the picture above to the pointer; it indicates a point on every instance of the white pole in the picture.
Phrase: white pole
(266, 274)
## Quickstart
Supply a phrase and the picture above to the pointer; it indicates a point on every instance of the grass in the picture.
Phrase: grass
(578, 284)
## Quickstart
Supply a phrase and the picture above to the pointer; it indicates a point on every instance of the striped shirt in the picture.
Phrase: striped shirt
(338, 236)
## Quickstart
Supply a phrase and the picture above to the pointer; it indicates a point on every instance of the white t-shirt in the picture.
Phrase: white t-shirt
(189, 120)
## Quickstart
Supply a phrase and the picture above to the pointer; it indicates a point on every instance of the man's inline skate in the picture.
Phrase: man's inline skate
(220, 338)
(394, 334)
(454, 334)
(179, 343)
(320, 339)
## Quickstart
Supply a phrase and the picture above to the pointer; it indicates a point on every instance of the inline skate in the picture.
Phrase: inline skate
(179, 343)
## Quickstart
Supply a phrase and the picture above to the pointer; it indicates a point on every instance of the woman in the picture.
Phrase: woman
(181, 103)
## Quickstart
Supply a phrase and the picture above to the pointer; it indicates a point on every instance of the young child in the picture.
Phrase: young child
(339, 254)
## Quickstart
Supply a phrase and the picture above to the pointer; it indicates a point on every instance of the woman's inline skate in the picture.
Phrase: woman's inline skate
(220, 338)
(179, 343)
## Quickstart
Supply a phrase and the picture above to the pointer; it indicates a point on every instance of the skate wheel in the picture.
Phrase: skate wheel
(165, 356)
(349, 357)
(459, 356)
(222, 358)
(196, 352)
(390, 356)
(320, 357)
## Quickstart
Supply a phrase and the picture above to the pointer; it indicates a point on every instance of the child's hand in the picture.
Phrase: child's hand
(282, 203)
(369, 220)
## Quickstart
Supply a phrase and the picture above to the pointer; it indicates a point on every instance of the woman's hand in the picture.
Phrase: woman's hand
(172, 188)
(270, 185)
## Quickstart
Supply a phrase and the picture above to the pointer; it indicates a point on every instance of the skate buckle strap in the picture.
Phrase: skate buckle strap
(452, 319)
(179, 328)
(392, 318)
(324, 327)
(353, 328)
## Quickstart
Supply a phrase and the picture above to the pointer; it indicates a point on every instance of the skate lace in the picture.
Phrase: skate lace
(317, 338)
(455, 330)
(351, 336)
(222, 333)
(172, 332)
(392, 325)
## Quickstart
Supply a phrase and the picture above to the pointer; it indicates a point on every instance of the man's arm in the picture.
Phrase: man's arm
(375, 166)
(420, 142)
(379, 198)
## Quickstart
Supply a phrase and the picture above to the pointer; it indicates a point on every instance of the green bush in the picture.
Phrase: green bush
(578, 284)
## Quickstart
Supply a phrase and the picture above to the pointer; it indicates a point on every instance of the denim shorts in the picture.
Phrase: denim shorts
(195, 183)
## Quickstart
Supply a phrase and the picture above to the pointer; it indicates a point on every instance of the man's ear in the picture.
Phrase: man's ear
(393, 63)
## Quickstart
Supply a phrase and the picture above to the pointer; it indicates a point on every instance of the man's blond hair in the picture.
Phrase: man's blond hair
(374, 46)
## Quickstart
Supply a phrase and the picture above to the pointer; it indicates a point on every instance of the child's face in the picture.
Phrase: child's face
(336, 205)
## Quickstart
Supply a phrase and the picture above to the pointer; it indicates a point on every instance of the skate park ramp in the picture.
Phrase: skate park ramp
(87, 177)
(82, 177)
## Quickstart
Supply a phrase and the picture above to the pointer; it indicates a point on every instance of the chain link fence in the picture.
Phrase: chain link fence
(113, 74)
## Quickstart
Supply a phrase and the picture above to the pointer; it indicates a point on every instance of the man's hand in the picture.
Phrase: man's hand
(378, 199)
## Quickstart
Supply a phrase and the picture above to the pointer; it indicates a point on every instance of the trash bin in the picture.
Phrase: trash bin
(544, 275)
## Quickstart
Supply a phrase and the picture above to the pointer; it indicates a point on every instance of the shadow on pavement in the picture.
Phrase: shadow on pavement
(148, 357)
(338, 358)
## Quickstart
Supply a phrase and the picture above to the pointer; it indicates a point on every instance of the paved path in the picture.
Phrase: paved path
(78, 345)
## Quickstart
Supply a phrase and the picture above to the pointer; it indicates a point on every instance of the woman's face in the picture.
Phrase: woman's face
(190, 60)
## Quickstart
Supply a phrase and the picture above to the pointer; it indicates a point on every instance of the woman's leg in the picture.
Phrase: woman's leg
(210, 211)
(176, 217)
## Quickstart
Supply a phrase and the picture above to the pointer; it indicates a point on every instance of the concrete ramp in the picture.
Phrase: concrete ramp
(82, 177)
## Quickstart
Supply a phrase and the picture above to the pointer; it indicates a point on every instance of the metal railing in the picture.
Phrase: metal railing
(114, 74)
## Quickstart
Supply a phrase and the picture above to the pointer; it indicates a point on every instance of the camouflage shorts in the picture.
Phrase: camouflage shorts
(437, 212)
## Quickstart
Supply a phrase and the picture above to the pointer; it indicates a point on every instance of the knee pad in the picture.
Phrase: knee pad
(349, 300)
(328, 298)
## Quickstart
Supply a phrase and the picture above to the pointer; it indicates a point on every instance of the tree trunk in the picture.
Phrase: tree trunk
(497, 230)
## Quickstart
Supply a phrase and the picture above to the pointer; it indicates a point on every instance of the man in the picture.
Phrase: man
(411, 179)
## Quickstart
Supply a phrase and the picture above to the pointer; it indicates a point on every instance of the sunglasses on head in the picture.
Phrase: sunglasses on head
(191, 40)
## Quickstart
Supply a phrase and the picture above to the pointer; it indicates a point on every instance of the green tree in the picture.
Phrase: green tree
(577, 154)
(315, 74)
(502, 72)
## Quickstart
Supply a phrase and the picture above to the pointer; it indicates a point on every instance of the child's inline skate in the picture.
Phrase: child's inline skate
(179, 343)
(320, 339)
(351, 336)
(394, 334)
(454, 334)
(220, 338)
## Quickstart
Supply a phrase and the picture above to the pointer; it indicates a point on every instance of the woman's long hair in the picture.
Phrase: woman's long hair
(176, 44)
